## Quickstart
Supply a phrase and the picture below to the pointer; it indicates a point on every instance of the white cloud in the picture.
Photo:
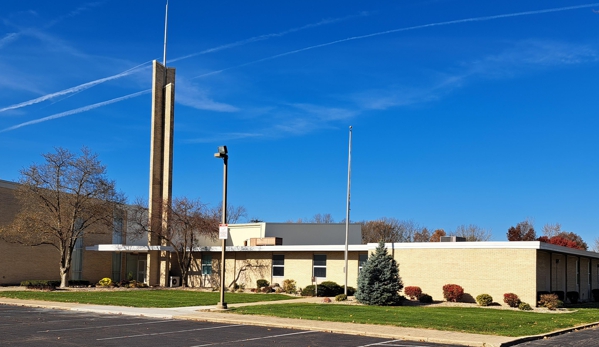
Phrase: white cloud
(191, 95)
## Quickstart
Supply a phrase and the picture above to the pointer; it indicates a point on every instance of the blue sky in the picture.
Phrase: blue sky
(463, 112)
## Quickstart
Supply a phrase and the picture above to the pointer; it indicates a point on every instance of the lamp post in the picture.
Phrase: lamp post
(223, 153)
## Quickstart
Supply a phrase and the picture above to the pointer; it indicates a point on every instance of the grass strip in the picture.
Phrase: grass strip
(461, 319)
(143, 298)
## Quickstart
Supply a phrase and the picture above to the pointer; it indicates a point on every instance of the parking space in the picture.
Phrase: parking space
(25, 326)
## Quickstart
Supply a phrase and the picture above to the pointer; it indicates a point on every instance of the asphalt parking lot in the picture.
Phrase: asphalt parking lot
(27, 326)
(581, 338)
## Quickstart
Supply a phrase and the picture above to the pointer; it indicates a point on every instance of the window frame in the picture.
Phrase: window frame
(320, 267)
(206, 264)
(280, 266)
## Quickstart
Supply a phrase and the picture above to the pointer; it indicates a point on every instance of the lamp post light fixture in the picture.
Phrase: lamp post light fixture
(223, 153)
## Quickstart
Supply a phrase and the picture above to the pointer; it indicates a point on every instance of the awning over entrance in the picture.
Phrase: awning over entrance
(128, 248)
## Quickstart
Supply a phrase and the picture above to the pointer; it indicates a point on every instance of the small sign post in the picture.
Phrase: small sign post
(223, 231)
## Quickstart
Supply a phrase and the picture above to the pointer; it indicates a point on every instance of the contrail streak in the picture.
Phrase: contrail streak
(76, 89)
(457, 21)
(268, 36)
(77, 110)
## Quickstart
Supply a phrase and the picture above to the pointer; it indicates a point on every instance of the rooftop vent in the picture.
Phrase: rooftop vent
(452, 239)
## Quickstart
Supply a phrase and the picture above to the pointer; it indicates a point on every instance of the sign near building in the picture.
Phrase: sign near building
(223, 232)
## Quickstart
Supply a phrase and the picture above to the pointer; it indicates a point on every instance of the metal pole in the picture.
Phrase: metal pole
(222, 304)
(347, 210)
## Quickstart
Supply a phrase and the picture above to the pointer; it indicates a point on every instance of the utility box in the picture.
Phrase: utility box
(174, 281)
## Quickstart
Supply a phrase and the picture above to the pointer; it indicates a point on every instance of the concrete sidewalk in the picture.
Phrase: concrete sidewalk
(210, 314)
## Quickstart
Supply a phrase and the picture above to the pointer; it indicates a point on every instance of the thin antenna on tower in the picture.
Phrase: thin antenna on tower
(165, 27)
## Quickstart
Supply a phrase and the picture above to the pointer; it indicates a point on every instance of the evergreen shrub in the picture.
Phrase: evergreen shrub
(379, 282)
(425, 299)
(572, 297)
(484, 300)
(524, 307)
(262, 283)
(341, 297)
(453, 292)
(595, 295)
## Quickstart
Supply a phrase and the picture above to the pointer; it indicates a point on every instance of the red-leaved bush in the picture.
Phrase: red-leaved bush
(413, 292)
(511, 299)
(453, 292)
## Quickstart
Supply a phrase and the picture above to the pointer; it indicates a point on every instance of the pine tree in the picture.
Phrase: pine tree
(379, 282)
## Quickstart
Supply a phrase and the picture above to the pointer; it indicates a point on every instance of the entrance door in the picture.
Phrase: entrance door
(141, 270)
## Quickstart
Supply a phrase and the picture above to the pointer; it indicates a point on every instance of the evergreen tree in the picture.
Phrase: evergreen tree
(379, 282)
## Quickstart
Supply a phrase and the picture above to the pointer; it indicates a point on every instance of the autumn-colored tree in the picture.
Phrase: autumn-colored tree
(566, 239)
(436, 237)
(389, 230)
(523, 231)
(62, 199)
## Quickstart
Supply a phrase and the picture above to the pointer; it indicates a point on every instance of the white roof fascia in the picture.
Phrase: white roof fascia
(127, 248)
(489, 245)
(295, 248)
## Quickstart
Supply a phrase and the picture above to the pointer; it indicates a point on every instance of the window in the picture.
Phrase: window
(362, 258)
(117, 230)
(278, 265)
(320, 265)
(77, 260)
(206, 264)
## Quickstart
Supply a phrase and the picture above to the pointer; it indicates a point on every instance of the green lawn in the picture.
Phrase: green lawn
(143, 298)
(471, 320)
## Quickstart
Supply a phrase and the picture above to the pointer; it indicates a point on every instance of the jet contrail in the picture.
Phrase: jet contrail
(268, 36)
(77, 110)
(422, 26)
(76, 89)
(84, 86)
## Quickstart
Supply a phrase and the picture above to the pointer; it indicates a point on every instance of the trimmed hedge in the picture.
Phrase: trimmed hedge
(413, 292)
(453, 292)
(425, 299)
(573, 297)
(511, 299)
(484, 300)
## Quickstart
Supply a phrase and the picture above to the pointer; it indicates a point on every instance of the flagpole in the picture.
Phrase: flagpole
(347, 210)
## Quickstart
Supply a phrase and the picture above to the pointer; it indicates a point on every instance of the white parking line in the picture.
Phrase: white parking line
(106, 326)
(256, 338)
(166, 332)
(387, 343)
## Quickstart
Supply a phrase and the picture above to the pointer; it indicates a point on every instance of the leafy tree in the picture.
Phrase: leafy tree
(188, 221)
(379, 282)
(436, 237)
(523, 231)
(473, 233)
(63, 198)
(566, 239)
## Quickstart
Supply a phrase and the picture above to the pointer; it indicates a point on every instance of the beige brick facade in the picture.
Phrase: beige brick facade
(20, 263)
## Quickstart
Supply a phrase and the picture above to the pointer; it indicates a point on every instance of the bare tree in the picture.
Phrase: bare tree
(322, 218)
(235, 214)
(473, 233)
(61, 199)
(189, 221)
(596, 246)
(422, 236)
(551, 230)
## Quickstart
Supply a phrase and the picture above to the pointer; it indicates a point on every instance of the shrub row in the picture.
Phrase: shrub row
(327, 288)
(51, 284)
